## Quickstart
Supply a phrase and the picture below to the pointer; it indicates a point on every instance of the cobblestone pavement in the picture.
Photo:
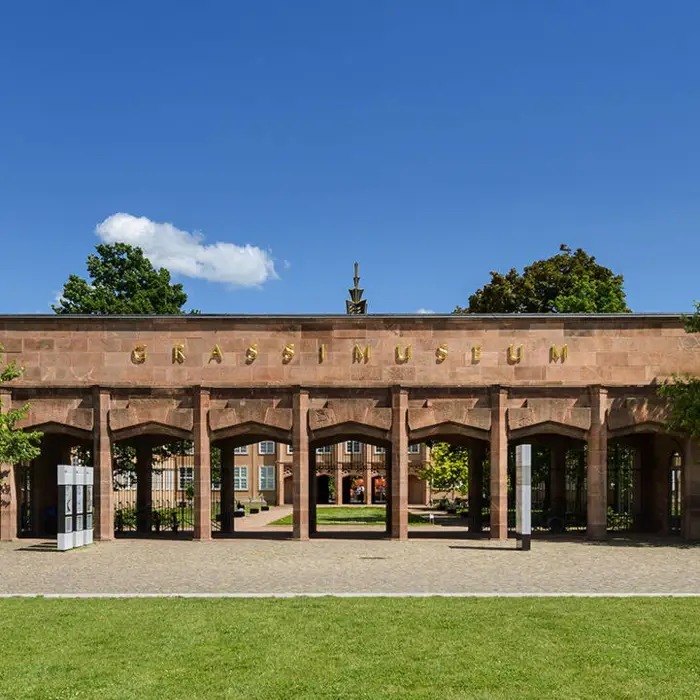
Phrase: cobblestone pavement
(347, 564)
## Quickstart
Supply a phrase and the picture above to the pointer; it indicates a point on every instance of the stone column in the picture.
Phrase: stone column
(499, 464)
(8, 487)
(313, 492)
(367, 473)
(202, 466)
(399, 464)
(597, 467)
(477, 454)
(102, 463)
(144, 480)
(300, 465)
(279, 474)
(690, 491)
(557, 475)
(338, 456)
(228, 495)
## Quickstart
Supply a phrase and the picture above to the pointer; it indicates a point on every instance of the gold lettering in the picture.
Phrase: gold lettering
(288, 353)
(441, 353)
(403, 357)
(515, 356)
(476, 353)
(251, 354)
(216, 354)
(139, 354)
(555, 354)
(358, 354)
(322, 353)
(179, 353)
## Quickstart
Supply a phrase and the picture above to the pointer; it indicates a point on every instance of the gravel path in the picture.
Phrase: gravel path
(334, 565)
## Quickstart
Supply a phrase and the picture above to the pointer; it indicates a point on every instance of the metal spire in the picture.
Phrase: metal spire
(356, 304)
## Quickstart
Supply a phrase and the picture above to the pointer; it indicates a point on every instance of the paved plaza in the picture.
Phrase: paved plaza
(335, 564)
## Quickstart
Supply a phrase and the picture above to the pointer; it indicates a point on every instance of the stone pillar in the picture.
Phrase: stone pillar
(313, 492)
(279, 474)
(367, 473)
(300, 465)
(557, 475)
(690, 491)
(338, 456)
(228, 495)
(399, 464)
(202, 466)
(597, 467)
(477, 454)
(102, 463)
(144, 480)
(426, 492)
(8, 487)
(499, 464)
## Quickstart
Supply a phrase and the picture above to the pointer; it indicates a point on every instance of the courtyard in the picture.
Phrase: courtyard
(352, 561)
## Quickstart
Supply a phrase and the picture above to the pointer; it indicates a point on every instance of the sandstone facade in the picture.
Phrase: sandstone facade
(486, 381)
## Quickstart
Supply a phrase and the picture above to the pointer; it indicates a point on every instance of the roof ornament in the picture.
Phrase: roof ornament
(356, 304)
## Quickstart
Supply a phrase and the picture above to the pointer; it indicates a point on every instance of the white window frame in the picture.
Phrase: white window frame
(240, 470)
(290, 450)
(325, 450)
(268, 479)
(261, 451)
(379, 450)
(350, 444)
(240, 450)
(414, 448)
(185, 477)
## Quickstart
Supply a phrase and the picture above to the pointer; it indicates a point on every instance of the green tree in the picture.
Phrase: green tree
(683, 393)
(448, 469)
(15, 445)
(123, 281)
(569, 282)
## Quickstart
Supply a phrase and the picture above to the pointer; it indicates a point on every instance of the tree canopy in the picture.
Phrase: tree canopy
(569, 282)
(15, 445)
(448, 469)
(123, 281)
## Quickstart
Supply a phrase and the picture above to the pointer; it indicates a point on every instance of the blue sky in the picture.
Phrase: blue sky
(432, 142)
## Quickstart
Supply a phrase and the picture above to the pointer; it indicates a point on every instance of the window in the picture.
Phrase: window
(290, 450)
(267, 479)
(414, 449)
(185, 477)
(266, 447)
(379, 450)
(325, 450)
(242, 450)
(240, 478)
(353, 447)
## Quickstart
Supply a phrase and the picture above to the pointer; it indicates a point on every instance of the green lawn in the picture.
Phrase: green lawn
(353, 515)
(359, 649)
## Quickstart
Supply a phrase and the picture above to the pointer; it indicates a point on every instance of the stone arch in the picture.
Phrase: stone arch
(56, 428)
(548, 427)
(250, 432)
(448, 431)
(151, 428)
(645, 427)
(341, 432)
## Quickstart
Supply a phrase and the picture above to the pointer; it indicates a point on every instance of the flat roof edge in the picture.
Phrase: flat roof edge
(333, 317)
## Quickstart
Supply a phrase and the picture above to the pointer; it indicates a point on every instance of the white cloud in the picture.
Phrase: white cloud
(425, 311)
(185, 253)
